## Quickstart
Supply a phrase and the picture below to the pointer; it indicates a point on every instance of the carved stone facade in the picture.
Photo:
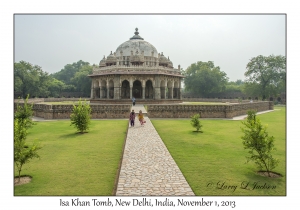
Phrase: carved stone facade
(136, 70)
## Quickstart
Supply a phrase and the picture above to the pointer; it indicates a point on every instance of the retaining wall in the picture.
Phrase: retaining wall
(112, 111)
(206, 111)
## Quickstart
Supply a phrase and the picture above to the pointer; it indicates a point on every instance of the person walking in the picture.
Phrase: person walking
(133, 101)
(132, 118)
(141, 117)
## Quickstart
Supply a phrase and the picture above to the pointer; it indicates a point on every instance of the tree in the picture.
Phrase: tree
(55, 87)
(205, 79)
(30, 79)
(22, 121)
(23, 153)
(81, 80)
(195, 122)
(81, 116)
(68, 72)
(258, 142)
(267, 74)
(24, 113)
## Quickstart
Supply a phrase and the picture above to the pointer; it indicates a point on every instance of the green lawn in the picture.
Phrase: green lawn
(74, 164)
(213, 162)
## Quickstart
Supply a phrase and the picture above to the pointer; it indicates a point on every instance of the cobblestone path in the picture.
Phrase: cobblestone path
(147, 166)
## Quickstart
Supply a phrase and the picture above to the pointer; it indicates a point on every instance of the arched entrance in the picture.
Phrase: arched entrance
(163, 89)
(137, 89)
(103, 89)
(149, 90)
(176, 90)
(111, 89)
(125, 91)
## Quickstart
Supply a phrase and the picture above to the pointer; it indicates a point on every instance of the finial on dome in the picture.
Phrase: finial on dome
(136, 31)
(136, 35)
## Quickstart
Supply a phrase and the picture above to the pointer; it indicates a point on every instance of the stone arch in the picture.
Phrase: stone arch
(137, 89)
(96, 87)
(149, 89)
(103, 88)
(163, 89)
(110, 88)
(170, 89)
(125, 89)
(176, 90)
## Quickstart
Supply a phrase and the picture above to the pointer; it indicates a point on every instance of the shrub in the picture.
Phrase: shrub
(81, 116)
(22, 152)
(258, 142)
(195, 122)
(24, 113)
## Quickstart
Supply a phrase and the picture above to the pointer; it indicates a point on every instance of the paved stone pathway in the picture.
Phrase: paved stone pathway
(147, 166)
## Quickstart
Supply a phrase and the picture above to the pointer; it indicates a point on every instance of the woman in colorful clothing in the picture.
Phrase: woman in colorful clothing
(141, 117)
(132, 118)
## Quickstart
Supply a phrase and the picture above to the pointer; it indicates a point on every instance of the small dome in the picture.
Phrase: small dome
(111, 59)
(102, 62)
(170, 64)
(163, 60)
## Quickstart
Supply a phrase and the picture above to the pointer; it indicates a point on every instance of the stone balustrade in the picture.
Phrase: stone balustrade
(135, 68)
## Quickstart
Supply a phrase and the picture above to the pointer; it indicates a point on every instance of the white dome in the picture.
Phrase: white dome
(136, 43)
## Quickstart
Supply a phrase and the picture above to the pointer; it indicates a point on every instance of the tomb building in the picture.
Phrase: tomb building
(136, 69)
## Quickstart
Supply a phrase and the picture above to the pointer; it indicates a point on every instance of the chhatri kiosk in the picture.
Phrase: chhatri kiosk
(137, 70)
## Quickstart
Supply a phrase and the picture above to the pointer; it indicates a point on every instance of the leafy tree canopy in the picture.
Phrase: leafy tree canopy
(266, 76)
(204, 78)
(30, 79)
(69, 71)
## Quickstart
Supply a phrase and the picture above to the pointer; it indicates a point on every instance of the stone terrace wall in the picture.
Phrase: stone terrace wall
(64, 99)
(206, 111)
(214, 100)
(64, 111)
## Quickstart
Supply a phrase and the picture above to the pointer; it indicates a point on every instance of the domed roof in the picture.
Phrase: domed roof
(102, 62)
(163, 59)
(170, 63)
(111, 58)
(136, 43)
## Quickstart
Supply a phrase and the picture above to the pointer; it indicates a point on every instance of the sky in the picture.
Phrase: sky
(230, 41)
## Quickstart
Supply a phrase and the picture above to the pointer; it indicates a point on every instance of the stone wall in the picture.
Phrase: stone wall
(113, 111)
(64, 111)
(98, 111)
(224, 100)
(206, 111)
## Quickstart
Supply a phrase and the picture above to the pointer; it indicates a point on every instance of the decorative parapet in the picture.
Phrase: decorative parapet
(134, 69)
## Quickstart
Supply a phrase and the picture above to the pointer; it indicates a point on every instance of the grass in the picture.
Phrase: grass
(74, 164)
(213, 162)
